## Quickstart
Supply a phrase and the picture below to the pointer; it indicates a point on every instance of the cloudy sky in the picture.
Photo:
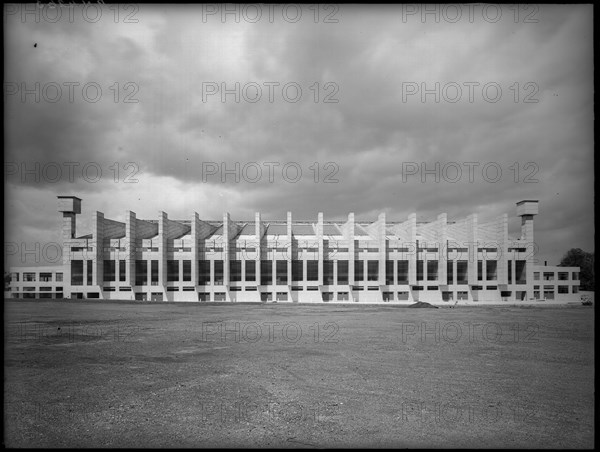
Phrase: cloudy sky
(392, 109)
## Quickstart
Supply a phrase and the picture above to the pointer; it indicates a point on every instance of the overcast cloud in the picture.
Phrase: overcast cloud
(368, 64)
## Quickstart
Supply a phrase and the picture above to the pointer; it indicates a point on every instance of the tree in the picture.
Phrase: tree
(576, 257)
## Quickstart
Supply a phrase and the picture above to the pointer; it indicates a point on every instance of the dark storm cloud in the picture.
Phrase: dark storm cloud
(371, 57)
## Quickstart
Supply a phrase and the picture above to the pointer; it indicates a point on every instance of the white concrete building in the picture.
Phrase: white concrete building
(298, 261)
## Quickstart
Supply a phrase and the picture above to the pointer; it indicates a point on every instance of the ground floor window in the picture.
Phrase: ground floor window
(388, 296)
(447, 296)
(220, 296)
(282, 296)
(342, 296)
(462, 295)
(402, 296)
(327, 296)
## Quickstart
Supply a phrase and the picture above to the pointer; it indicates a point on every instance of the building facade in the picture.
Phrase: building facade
(297, 261)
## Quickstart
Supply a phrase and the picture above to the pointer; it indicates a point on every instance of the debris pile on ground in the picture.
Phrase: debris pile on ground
(422, 304)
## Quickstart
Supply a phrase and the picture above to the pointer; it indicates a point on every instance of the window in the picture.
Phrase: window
(14, 277)
(520, 271)
(282, 296)
(218, 274)
(45, 289)
(122, 271)
(462, 272)
(432, 270)
(389, 273)
(328, 272)
(449, 272)
(548, 276)
(388, 296)
(563, 289)
(549, 294)
(419, 270)
(187, 270)
(342, 296)
(327, 296)
(281, 272)
(372, 270)
(45, 277)
(312, 270)
(575, 289)
(402, 272)
(575, 276)
(536, 276)
(462, 295)
(154, 272)
(172, 270)
(172, 289)
(342, 276)
(203, 296)
(509, 272)
(250, 270)
(433, 288)
(491, 270)
(491, 288)
(89, 272)
(476, 287)
(109, 270)
(359, 271)
(297, 271)
(141, 272)
(447, 296)
(562, 276)
(235, 270)
(76, 273)
(266, 273)
(402, 296)
(219, 296)
(479, 270)
(268, 296)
